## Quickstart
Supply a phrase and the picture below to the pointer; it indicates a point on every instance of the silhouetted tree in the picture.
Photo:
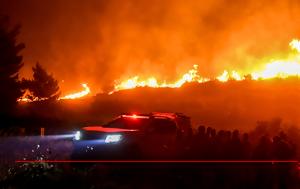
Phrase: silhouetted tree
(43, 84)
(10, 64)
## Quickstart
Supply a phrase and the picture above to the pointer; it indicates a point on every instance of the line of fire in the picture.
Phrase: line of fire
(150, 94)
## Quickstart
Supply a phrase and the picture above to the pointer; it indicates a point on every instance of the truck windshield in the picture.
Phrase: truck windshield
(128, 123)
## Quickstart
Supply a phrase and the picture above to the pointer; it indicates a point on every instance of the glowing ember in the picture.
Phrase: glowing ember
(81, 94)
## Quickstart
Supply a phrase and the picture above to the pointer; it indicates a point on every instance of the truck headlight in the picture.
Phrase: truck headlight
(77, 135)
(113, 138)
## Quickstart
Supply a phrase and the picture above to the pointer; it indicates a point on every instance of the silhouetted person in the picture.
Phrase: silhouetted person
(263, 149)
(227, 154)
(212, 145)
(235, 146)
(208, 132)
(246, 153)
(282, 150)
(201, 143)
(221, 145)
(264, 172)
(201, 131)
(213, 133)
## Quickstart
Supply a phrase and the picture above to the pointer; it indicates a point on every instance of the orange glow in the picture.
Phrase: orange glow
(191, 76)
(24, 99)
(80, 94)
(224, 77)
(273, 69)
(234, 75)
(28, 97)
(134, 116)
(295, 44)
(280, 68)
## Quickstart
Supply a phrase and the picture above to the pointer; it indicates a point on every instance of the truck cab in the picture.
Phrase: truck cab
(153, 135)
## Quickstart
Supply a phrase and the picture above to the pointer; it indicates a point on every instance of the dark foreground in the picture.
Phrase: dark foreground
(215, 174)
(152, 175)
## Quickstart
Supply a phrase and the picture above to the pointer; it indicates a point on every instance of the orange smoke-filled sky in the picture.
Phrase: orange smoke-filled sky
(99, 41)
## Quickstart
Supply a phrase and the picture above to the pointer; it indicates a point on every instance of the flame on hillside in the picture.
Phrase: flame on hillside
(28, 97)
(80, 94)
(282, 68)
(191, 76)
(295, 44)
(273, 69)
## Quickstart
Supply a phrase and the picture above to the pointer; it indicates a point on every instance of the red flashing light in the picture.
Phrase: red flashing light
(167, 115)
(134, 116)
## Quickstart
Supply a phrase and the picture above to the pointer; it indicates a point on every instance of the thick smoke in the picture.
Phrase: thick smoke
(99, 41)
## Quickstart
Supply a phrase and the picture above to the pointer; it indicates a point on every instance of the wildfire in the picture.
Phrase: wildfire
(279, 69)
(295, 44)
(234, 75)
(28, 97)
(273, 69)
(80, 94)
(282, 68)
(191, 76)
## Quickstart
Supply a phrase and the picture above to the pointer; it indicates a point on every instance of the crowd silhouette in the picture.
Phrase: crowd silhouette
(209, 144)
(205, 144)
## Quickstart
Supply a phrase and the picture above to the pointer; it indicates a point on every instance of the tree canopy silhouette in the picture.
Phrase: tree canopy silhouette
(43, 85)
(10, 64)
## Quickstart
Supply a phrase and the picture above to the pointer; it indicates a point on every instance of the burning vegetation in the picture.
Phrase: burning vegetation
(80, 94)
(226, 64)
(161, 59)
(274, 69)
(29, 97)
(281, 68)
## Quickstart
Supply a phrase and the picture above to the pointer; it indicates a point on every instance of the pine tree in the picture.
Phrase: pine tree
(43, 85)
(10, 64)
